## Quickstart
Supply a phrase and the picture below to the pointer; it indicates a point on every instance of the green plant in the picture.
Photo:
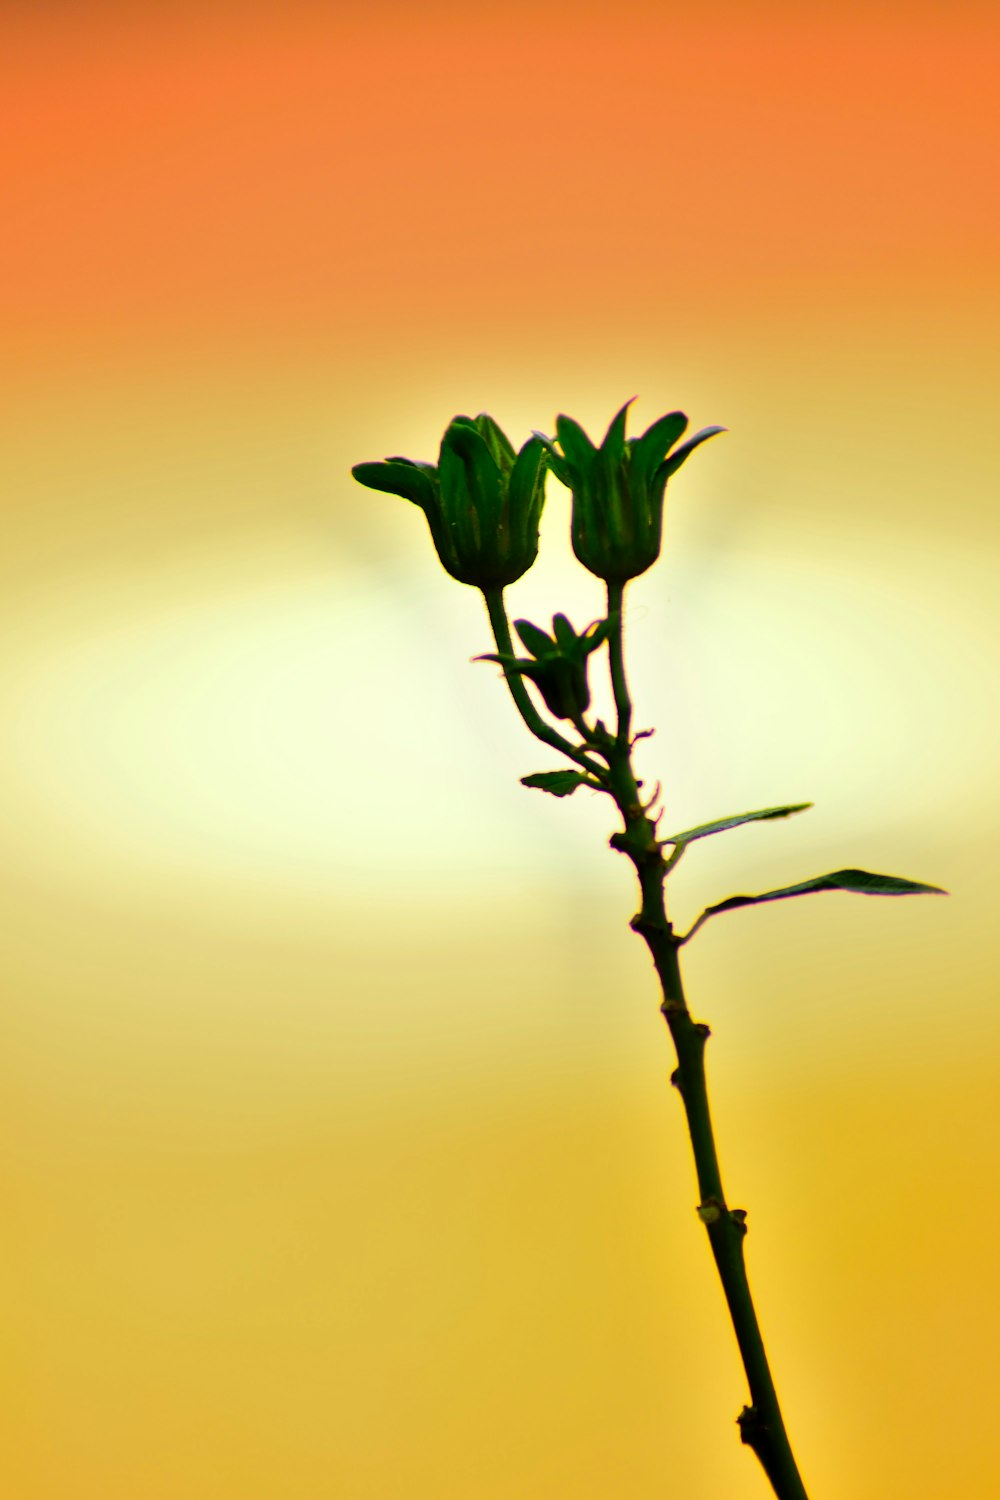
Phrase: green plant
(483, 505)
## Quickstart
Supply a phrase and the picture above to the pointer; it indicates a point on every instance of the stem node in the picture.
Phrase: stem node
(749, 1424)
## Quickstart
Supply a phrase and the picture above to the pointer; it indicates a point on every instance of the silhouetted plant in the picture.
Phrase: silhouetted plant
(483, 502)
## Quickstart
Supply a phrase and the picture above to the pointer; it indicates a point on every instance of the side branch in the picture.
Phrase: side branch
(501, 633)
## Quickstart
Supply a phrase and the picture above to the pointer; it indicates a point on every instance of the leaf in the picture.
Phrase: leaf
(559, 783)
(503, 657)
(863, 882)
(721, 824)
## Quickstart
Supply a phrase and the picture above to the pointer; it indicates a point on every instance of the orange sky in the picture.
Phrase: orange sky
(303, 167)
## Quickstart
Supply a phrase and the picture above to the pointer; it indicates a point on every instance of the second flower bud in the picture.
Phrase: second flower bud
(558, 662)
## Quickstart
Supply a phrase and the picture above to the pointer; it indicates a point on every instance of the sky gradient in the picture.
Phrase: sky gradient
(339, 1151)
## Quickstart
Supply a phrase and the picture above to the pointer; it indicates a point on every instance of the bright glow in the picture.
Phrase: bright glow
(300, 723)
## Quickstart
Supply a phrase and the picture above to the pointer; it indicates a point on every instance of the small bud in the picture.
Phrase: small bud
(559, 667)
(482, 501)
(739, 1218)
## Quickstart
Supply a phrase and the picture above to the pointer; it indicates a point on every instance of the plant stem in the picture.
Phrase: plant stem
(616, 653)
(761, 1424)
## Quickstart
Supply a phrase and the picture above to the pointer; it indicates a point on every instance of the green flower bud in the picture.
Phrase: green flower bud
(559, 668)
(618, 489)
(483, 502)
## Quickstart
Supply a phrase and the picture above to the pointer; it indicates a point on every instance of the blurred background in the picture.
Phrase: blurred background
(338, 1151)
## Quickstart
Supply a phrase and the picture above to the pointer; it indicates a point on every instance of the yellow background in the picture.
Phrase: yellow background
(339, 1157)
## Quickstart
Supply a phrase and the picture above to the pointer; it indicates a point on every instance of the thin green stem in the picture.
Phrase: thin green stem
(616, 653)
(501, 632)
(761, 1423)
(592, 736)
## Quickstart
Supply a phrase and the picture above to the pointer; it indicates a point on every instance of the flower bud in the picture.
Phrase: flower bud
(482, 501)
(559, 668)
(618, 489)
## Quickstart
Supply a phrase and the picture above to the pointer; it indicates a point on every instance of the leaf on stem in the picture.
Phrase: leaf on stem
(862, 882)
(721, 824)
(558, 783)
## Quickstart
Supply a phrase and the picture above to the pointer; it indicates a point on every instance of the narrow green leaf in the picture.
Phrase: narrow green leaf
(721, 824)
(559, 783)
(862, 882)
(503, 657)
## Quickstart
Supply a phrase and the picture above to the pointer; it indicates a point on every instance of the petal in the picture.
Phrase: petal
(673, 463)
(525, 487)
(537, 642)
(564, 634)
(614, 438)
(555, 460)
(496, 440)
(467, 468)
(653, 446)
(399, 476)
(576, 445)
